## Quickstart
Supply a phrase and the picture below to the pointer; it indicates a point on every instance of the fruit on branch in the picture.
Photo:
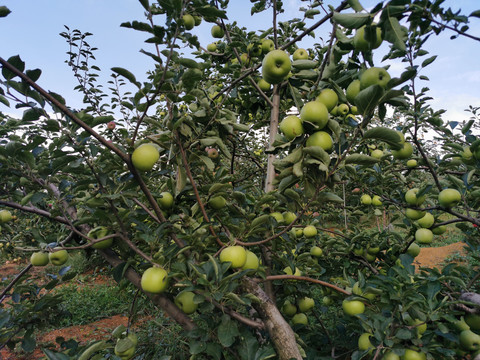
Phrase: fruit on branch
(316, 113)
(58, 257)
(412, 199)
(413, 250)
(449, 198)
(377, 201)
(145, 156)
(267, 45)
(469, 340)
(254, 50)
(289, 217)
(300, 319)
(306, 304)
(412, 163)
(39, 258)
(439, 230)
(364, 342)
(235, 254)
(343, 110)
(212, 153)
(184, 301)
(353, 307)
(413, 355)
(374, 76)
(404, 153)
(5, 216)
(300, 54)
(217, 32)
(377, 154)
(252, 262)
(288, 308)
(198, 20)
(212, 47)
(352, 91)
(362, 44)
(291, 127)
(245, 59)
(329, 98)
(264, 85)
(275, 66)
(98, 233)
(165, 200)
(414, 214)
(288, 271)
(426, 221)
(217, 202)
(188, 21)
(424, 236)
(310, 231)
(321, 139)
(278, 216)
(154, 280)
(366, 199)
(390, 355)
(316, 251)
(111, 125)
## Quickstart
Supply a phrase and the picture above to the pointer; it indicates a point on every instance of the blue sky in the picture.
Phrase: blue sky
(32, 29)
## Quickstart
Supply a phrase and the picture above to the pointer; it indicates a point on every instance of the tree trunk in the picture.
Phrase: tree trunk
(280, 331)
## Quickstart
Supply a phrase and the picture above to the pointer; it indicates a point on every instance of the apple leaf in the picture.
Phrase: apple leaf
(368, 98)
(127, 75)
(211, 12)
(361, 159)
(355, 5)
(217, 187)
(16, 62)
(4, 11)
(328, 196)
(304, 64)
(227, 331)
(188, 63)
(394, 33)
(351, 20)
(52, 355)
(387, 135)
(318, 153)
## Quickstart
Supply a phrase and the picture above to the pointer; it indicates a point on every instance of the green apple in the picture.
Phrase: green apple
(188, 21)
(217, 31)
(373, 250)
(364, 342)
(39, 258)
(288, 271)
(473, 320)
(390, 355)
(353, 307)
(377, 200)
(309, 231)
(315, 112)
(413, 355)
(145, 156)
(467, 155)
(235, 254)
(321, 139)
(254, 50)
(278, 216)
(5, 216)
(343, 109)
(58, 257)
(212, 47)
(263, 85)
(366, 199)
(252, 262)
(404, 153)
(198, 20)
(125, 348)
(300, 318)
(275, 66)
(267, 45)
(412, 199)
(420, 327)
(369, 257)
(414, 214)
(316, 251)
(449, 198)
(352, 91)
(289, 309)
(289, 217)
(412, 163)
(165, 200)
(98, 233)
(300, 54)
(469, 340)
(377, 154)
(217, 202)
(329, 98)
(154, 280)
(439, 230)
(245, 59)
(354, 110)
(413, 250)
(362, 44)
(291, 127)
(374, 76)
(306, 304)
(184, 301)
(424, 236)
(426, 221)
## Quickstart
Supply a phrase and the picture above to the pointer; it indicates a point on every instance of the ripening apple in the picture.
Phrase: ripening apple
(390, 355)
(315, 112)
(145, 156)
(414, 214)
(366, 199)
(39, 258)
(352, 91)
(184, 301)
(217, 202)
(412, 199)
(275, 66)
(343, 109)
(198, 20)
(252, 262)
(165, 200)
(404, 153)
(124, 349)
(264, 85)
(374, 76)
(412, 163)
(289, 309)
(212, 153)
(188, 21)
(353, 307)
(424, 236)
(5, 216)
(235, 254)
(360, 42)
(154, 280)
(289, 217)
(58, 257)
(328, 97)
(288, 271)
(469, 340)
(449, 198)
(217, 31)
(439, 230)
(291, 127)
(267, 45)
(300, 54)
(364, 342)
(316, 251)
(327, 300)
(321, 139)
(377, 154)
(306, 304)
(212, 47)
(300, 318)
(111, 125)
(98, 233)
(413, 355)
(309, 231)
(377, 200)
(278, 216)
(254, 50)
(426, 221)
(413, 250)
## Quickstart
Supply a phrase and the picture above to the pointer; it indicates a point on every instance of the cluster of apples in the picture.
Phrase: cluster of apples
(469, 337)
(190, 21)
(298, 313)
(57, 257)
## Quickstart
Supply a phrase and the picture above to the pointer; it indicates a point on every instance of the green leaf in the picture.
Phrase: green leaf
(387, 135)
(145, 4)
(467, 126)
(188, 63)
(31, 115)
(17, 63)
(361, 159)
(394, 33)
(304, 64)
(126, 74)
(227, 331)
(28, 343)
(331, 197)
(52, 355)
(33, 74)
(217, 187)
(4, 101)
(4, 11)
(355, 5)
(428, 61)
(102, 120)
(351, 20)
(476, 13)
(368, 99)
(191, 77)
(211, 12)
(119, 271)
(318, 153)
(208, 162)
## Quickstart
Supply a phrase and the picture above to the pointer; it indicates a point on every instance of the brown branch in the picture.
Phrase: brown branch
(147, 210)
(309, 279)
(34, 210)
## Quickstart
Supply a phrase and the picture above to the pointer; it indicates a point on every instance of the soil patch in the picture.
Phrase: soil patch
(434, 257)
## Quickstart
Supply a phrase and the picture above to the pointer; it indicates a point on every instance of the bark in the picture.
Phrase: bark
(471, 297)
(282, 335)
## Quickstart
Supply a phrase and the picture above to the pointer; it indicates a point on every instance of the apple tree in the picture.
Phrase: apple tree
(268, 198)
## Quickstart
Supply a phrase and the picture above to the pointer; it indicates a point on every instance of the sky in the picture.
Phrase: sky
(32, 31)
